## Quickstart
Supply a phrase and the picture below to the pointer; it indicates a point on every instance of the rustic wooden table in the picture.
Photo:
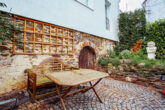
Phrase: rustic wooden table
(73, 79)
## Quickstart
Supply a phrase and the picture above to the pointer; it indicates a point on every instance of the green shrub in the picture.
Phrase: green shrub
(104, 60)
(163, 63)
(126, 54)
(149, 63)
(160, 63)
(156, 33)
(135, 61)
(138, 57)
(141, 54)
(2, 4)
(131, 29)
(111, 53)
(7, 27)
(115, 62)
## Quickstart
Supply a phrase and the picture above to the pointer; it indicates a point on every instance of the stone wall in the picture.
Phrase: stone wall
(12, 76)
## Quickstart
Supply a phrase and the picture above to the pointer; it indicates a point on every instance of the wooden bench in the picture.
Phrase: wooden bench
(36, 77)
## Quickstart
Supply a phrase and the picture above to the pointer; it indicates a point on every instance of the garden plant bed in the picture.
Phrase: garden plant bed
(135, 67)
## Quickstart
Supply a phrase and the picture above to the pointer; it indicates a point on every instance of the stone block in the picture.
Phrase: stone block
(130, 79)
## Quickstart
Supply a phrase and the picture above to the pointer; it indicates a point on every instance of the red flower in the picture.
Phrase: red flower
(136, 47)
(106, 55)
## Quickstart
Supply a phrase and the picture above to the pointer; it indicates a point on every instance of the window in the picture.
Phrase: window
(88, 3)
(107, 8)
(148, 11)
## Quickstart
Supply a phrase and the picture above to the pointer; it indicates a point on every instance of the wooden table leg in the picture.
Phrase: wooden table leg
(61, 100)
(96, 93)
(92, 86)
(67, 91)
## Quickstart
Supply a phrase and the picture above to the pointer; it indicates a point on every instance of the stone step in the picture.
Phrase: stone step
(13, 99)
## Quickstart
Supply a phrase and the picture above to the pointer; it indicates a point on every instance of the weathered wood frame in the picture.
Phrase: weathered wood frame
(68, 37)
(32, 87)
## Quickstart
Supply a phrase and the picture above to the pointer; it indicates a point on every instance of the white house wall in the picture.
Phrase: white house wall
(69, 13)
(157, 10)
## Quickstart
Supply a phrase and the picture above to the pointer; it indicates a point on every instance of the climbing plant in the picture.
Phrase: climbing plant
(131, 29)
(6, 26)
(2, 4)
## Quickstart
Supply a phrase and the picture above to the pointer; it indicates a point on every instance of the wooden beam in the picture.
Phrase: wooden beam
(38, 54)
(46, 94)
(34, 38)
(14, 37)
(68, 41)
(42, 39)
(56, 38)
(62, 41)
(24, 36)
(41, 22)
(50, 40)
(72, 41)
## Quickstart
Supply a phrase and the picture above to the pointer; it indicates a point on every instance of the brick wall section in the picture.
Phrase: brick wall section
(12, 76)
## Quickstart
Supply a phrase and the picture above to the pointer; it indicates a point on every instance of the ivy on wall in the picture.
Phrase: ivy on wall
(131, 29)
(2, 4)
(6, 26)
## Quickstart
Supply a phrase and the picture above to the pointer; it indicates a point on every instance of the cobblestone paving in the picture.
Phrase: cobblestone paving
(116, 95)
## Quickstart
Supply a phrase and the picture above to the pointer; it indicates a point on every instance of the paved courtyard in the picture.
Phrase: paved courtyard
(116, 95)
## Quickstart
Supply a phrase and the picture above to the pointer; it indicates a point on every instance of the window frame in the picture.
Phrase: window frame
(86, 5)
(107, 16)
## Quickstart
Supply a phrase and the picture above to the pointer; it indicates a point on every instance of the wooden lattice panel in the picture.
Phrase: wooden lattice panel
(42, 38)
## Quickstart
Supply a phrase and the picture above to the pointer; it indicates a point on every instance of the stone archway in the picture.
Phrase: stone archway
(87, 58)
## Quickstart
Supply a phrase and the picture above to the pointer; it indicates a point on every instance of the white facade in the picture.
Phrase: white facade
(75, 14)
(155, 9)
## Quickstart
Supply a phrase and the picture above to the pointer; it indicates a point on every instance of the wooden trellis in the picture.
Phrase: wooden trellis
(42, 38)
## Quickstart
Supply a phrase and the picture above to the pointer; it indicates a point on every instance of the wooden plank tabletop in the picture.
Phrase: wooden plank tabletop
(75, 77)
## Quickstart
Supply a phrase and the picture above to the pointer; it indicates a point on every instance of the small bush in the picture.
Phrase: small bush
(111, 53)
(126, 54)
(115, 62)
(155, 32)
(149, 63)
(135, 61)
(162, 62)
(104, 60)
(141, 54)
(140, 57)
